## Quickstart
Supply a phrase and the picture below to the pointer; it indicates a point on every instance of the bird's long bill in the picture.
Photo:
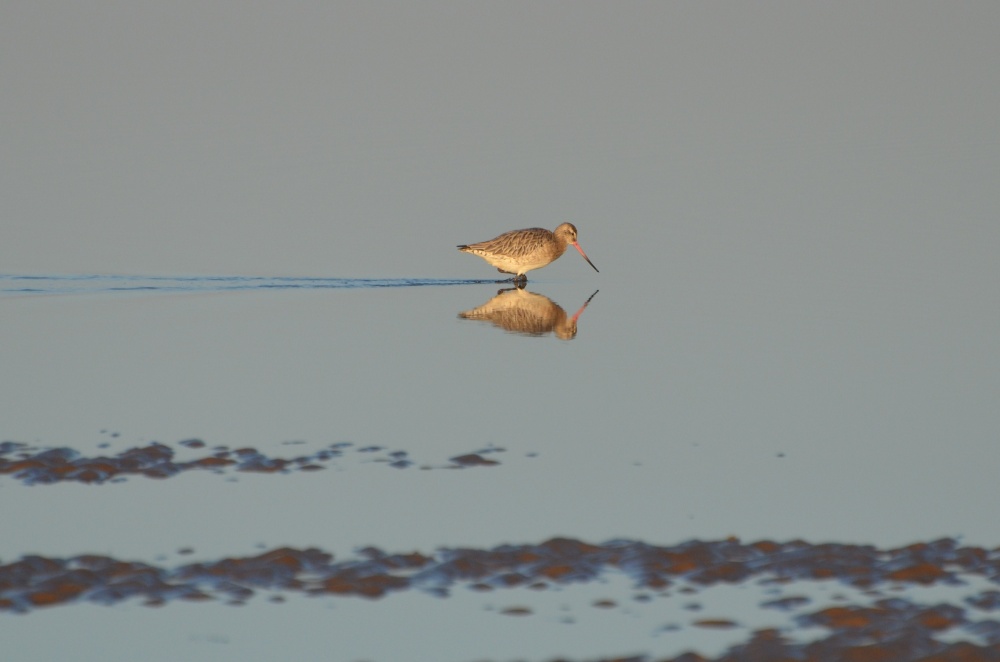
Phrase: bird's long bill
(577, 247)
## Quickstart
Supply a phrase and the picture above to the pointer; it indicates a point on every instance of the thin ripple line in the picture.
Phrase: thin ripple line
(12, 285)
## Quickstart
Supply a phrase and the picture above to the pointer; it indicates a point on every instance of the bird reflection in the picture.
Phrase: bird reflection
(516, 310)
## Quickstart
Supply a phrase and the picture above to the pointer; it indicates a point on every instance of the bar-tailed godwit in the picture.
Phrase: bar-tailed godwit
(519, 251)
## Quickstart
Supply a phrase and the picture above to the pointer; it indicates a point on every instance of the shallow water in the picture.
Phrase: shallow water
(244, 364)
(417, 430)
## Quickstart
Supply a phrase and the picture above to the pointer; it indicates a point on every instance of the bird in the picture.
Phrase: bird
(520, 251)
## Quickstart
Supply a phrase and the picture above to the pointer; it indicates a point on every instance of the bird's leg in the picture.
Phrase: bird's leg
(512, 279)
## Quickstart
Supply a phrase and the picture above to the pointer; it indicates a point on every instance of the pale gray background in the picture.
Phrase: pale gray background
(793, 207)
(368, 138)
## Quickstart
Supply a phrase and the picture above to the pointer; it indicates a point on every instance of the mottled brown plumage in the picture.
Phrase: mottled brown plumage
(520, 251)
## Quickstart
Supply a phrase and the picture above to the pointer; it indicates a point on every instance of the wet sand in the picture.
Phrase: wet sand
(43, 466)
(884, 628)
(874, 618)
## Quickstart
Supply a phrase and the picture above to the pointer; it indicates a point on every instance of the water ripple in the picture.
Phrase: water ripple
(58, 284)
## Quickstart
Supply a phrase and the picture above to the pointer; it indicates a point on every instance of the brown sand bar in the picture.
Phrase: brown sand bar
(896, 628)
(46, 466)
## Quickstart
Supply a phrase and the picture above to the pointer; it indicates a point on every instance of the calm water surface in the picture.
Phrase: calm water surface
(238, 226)
(723, 423)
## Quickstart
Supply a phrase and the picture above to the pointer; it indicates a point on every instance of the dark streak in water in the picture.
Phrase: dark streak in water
(12, 285)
